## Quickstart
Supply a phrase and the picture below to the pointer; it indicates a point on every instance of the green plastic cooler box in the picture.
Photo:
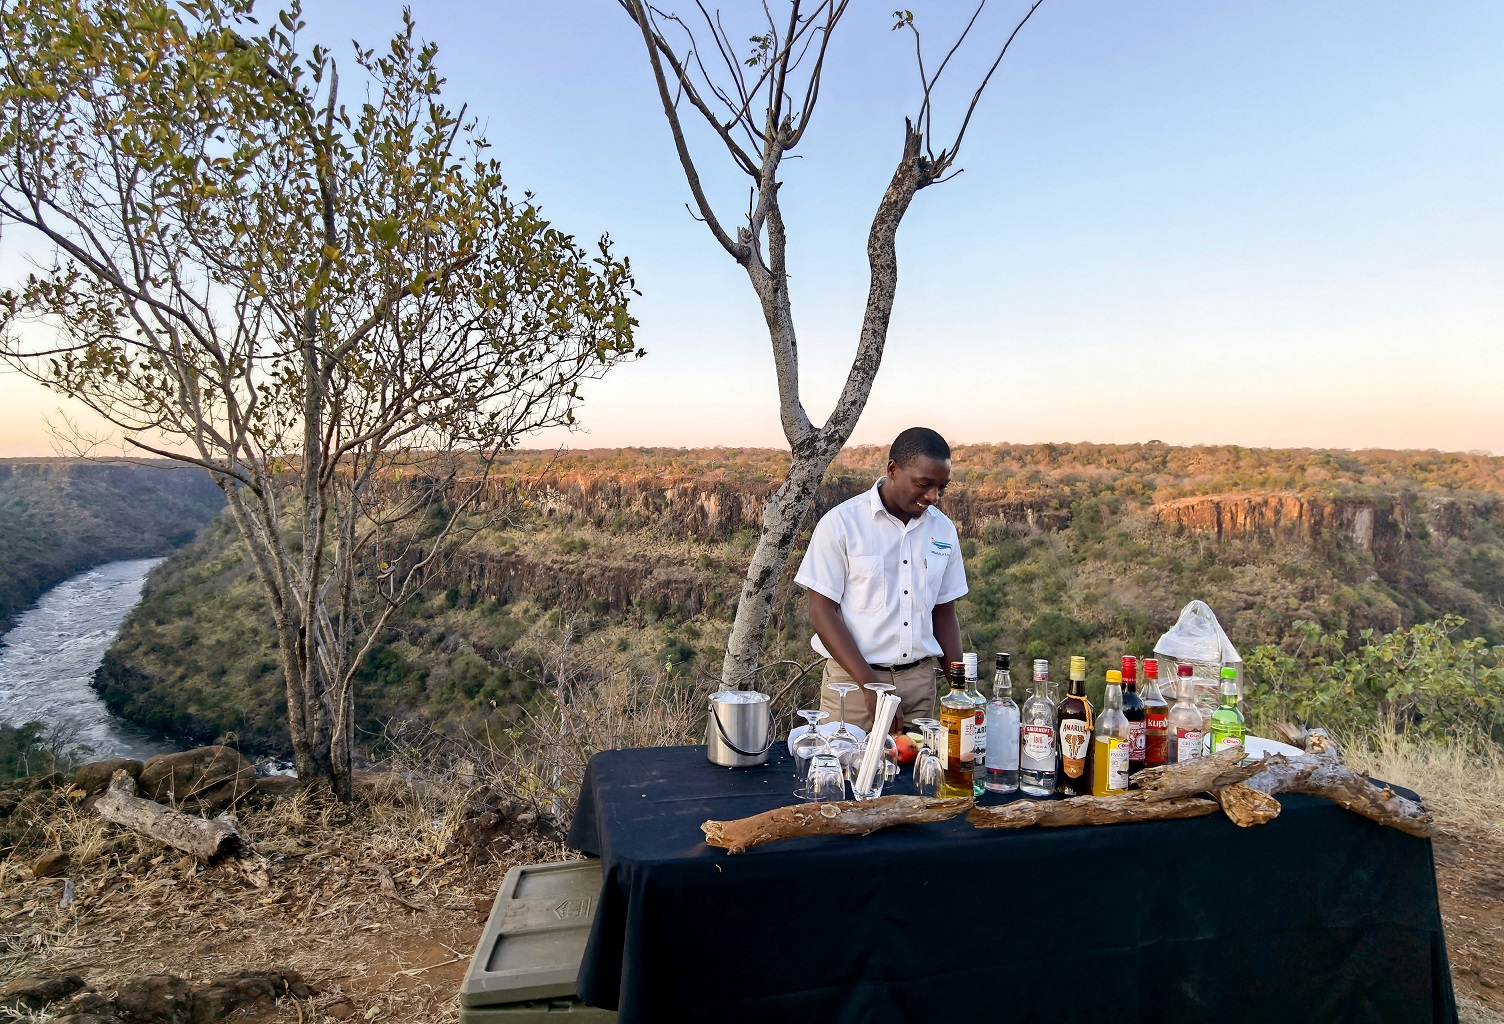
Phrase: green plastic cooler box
(524, 967)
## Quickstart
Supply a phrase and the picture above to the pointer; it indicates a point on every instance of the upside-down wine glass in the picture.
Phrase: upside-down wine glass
(928, 771)
(842, 742)
(827, 779)
(806, 745)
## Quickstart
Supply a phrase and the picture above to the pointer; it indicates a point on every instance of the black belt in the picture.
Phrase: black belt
(900, 668)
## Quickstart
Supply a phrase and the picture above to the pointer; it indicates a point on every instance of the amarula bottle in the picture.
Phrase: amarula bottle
(1133, 710)
(979, 742)
(1073, 719)
(1002, 731)
(958, 729)
(1226, 727)
(1183, 737)
(1156, 717)
(1112, 742)
(1036, 763)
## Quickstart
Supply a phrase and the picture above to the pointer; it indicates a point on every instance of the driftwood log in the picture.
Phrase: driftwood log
(1320, 772)
(1090, 810)
(836, 818)
(200, 837)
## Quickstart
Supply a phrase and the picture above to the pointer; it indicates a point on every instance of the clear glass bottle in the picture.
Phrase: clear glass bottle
(1036, 763)
(1226, 728)
(1183, 725)
(1073, 721)
(958, 729)
(1112, 742)
(1133, 709)
(979, 747)
(1156, 717)
(1002, 731)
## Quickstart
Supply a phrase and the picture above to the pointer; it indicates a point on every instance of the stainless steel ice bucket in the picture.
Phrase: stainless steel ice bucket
(739, 732)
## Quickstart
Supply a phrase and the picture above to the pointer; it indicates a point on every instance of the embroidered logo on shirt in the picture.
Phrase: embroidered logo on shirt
(940, 545)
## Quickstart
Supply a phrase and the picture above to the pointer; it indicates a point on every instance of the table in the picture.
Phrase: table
(1317, 915)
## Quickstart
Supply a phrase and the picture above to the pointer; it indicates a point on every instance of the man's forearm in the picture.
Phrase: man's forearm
(825, 617)
(947, 627)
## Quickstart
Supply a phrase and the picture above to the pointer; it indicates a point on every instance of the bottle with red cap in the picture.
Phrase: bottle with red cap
(1156, 717)
(1133, 710)
(1184, 725)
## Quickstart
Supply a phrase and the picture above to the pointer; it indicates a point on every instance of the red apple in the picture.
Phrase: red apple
(907, 749)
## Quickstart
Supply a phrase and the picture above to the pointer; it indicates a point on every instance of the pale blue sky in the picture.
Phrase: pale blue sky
(1270, 224)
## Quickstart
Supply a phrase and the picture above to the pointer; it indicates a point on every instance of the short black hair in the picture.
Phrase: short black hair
(917, 441)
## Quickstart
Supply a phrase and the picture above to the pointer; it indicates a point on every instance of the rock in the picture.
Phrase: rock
(94, 777)
(86, 1018)
(279, 786)
(50, 865)
(155, 999)
(35, 993)
(340, 1010)
(203, 779)
(90, 1004)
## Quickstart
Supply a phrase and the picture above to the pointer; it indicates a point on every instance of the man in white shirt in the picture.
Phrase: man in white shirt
(883, 572)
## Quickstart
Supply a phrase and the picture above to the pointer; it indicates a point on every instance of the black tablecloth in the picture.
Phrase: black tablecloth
(1319, 915)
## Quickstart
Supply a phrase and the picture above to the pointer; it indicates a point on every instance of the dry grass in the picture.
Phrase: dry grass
(1461, 782)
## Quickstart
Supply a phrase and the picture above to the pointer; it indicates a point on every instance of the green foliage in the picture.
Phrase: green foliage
(32, 749)
(1419, 679)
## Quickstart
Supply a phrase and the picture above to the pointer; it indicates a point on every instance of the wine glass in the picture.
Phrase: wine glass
(807, 744)
(842, 742)
(890, 745)
(827, 779)
(928, 771)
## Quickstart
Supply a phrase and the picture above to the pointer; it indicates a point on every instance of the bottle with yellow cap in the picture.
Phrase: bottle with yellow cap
(1073, 720)
(1112, 742)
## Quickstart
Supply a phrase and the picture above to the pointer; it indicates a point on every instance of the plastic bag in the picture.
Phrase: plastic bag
(1197, 639)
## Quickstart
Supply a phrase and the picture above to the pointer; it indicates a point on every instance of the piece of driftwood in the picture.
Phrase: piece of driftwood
(200, 837)
(836, 818)
(1247, 806)
(1201, 775)
(1090, 810)
(1320, 772)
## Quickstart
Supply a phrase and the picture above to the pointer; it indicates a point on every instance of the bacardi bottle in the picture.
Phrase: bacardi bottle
(1183, 735)
(1036, 764)
(1133, 710)
(958, 730)
(979, 749)
(1112, 742)
(1002, 732)
(1226, 729)
(1156, 717)
(1073, 718)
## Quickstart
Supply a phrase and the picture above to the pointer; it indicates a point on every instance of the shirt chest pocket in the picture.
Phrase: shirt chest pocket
(935, 564)
(867, 584)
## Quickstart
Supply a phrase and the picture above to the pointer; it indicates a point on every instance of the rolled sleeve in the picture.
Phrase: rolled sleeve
(953, 583)
(823, 569)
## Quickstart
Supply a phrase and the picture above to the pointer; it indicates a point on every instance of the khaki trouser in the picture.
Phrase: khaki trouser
(915, 688)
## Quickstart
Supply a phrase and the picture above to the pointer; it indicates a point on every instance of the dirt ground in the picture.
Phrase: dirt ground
(379, 912)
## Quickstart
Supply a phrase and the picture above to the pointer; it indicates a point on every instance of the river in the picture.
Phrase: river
(48, 660)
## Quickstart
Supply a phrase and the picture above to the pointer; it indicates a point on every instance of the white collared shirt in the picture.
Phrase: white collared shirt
(887, 576)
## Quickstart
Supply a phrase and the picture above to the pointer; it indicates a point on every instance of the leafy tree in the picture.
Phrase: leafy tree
(759, 104)
(338, 311)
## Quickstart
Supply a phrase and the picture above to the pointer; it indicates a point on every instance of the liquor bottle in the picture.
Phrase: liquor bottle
(1112, 742)
(1073, 719)
(1226, 729)
(1183, 728)
(1036, 763)
(1156, 717)
(1134, 711)
(979, 743)
(958, 729)
(1002, 732)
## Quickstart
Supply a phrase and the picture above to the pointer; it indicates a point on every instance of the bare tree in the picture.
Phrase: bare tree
(759, 106)
(338, 312)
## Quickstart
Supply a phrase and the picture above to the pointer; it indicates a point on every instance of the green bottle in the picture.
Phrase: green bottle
(1226, 726)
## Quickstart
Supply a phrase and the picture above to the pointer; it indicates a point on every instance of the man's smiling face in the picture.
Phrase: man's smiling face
(914, 487)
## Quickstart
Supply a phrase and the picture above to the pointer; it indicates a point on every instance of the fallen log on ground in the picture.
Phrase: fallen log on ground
(1090, 810)
(200, 837)
(836, 818)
